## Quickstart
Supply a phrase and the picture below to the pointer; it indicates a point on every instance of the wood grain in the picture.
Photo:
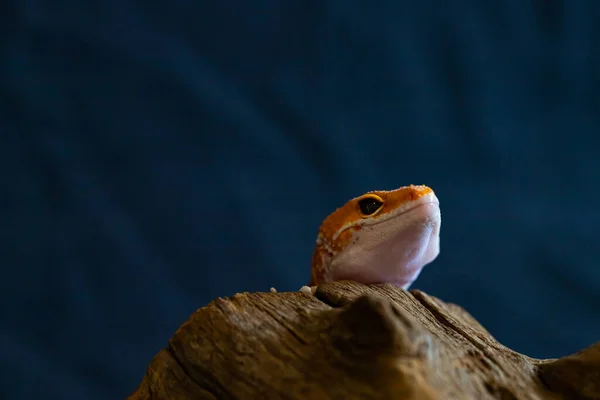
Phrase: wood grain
(352, 341)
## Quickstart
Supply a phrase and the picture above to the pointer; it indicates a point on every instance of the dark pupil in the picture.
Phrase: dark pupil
(369, 205)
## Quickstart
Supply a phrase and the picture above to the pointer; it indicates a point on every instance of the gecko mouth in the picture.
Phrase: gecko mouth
(404, 212)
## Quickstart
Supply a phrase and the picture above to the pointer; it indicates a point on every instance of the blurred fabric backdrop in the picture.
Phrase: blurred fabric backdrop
(157, 156)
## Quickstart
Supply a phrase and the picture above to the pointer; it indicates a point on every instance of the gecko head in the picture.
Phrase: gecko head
(381, 236)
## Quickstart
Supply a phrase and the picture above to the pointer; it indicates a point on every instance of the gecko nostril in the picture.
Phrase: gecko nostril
(369, 205)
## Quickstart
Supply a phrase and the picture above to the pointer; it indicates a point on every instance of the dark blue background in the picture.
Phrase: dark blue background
(154, 157)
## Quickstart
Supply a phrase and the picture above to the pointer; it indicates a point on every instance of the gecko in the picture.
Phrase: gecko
(383, 236)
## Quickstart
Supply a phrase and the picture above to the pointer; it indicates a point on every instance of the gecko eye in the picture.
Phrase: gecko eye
(369, 205)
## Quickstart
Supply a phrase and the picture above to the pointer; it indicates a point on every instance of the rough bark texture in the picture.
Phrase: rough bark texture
(353, 341)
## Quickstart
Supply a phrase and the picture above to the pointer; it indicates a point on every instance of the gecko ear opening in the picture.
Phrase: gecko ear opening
(370, 205)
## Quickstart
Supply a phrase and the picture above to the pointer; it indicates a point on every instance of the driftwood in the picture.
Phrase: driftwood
(352, 341)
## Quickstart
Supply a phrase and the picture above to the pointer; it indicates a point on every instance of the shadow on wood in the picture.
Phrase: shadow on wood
(353, 341)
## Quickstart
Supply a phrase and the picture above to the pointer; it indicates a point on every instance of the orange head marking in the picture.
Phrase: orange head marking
(374, 204)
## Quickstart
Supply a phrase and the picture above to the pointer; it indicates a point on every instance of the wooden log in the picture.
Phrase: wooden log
(352, 341)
